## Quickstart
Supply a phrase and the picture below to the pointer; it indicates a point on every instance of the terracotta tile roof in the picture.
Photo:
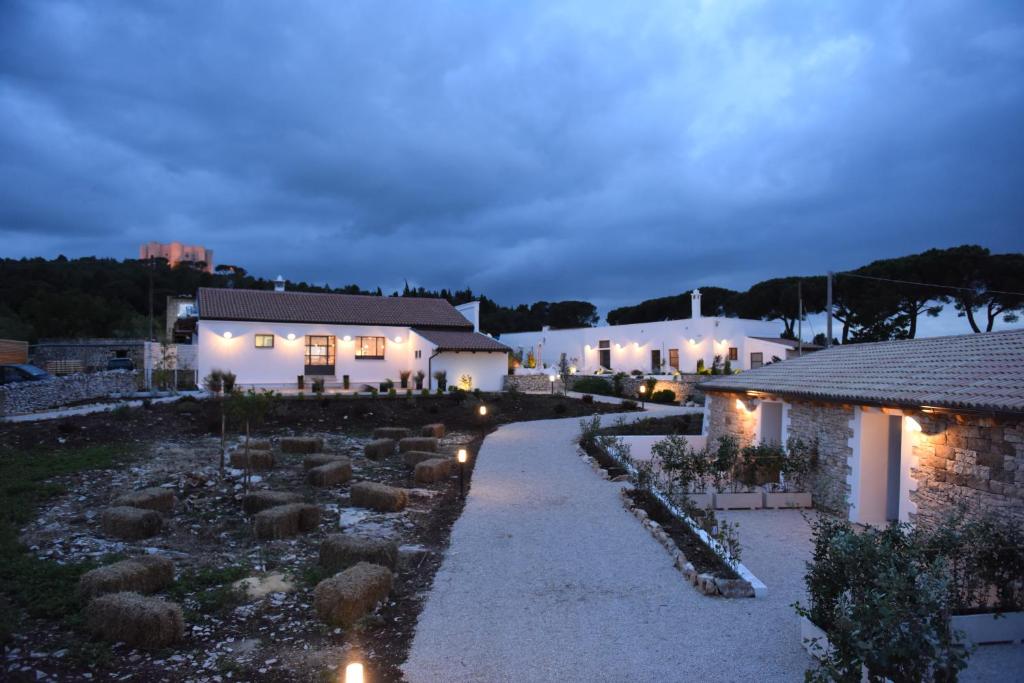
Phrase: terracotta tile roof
(458, 340)
(333, 309)
(975, 372)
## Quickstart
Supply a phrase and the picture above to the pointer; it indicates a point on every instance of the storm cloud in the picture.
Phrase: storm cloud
(601, 151)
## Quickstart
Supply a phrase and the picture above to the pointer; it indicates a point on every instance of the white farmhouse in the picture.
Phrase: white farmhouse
(659, 347)
(272, 338)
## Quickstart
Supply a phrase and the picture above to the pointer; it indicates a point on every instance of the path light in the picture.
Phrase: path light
(291, 336)
(354, 673)
(552, 379)
(462, 457)
(227, 335)
(643, 394)
(483, 410)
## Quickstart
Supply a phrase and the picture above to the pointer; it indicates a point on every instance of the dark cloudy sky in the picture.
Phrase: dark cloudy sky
(603, 151)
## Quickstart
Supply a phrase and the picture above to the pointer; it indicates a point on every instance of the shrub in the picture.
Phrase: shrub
(636, 373)
(418, 378)
(318, 386)
(424, 392)
(618, 383)
(403, 377)
(664, 396)
(387, 385)
(587, 398)
(441, 377)
(227, 379)
(392, 392)
(727, 368)
(629, 405)
(593, 385)
(465, 382)
(560, 409)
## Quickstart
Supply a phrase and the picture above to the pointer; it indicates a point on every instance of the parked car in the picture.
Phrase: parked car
(9, 374)
(120, 364)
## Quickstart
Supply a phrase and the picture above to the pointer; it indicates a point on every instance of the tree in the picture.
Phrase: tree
(778, 299)
(715, 301)
(989, 283)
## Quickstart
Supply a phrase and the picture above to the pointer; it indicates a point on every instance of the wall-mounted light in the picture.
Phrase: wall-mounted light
(693, 341)
(346, 338)
(911, 424)
(741, 405)
(586, 347)
(398, 339)
(227, 335)
(636, 344)
(618, 345)
(291, 336)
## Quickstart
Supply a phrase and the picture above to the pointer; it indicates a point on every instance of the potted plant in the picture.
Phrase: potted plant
(726, 467)
(418, 378)
(403, 378)
(799, 460)
(441, 377)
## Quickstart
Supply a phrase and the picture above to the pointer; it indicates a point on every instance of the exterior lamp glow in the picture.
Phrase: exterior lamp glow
(354, 673)
(693, 341)
(483, 410)
(741, 405)
(462, 456)
(291, 336)
(346, 338)
(912, 424)
(227, 335)
(636, 345)
(643, 394)
(398, 340)
(552, 378)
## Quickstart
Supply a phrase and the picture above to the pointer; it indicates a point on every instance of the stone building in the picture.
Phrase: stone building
(906, 430)
(176, 252)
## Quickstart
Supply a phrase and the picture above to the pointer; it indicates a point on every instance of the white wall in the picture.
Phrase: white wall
(486, 369)
(631, 345)
(871, 453)
(281, 365)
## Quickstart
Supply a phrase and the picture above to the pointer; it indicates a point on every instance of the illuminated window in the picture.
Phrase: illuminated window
(370, 347)
(673, 358)
(756, 360)
(264, 341)
(734, 353)
(319, 354)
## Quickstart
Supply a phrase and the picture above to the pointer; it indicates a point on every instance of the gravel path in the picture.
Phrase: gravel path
(549, 578)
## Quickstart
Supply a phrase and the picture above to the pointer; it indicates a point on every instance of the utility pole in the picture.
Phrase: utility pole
(828, 307)
(800, 318)
(151, 337)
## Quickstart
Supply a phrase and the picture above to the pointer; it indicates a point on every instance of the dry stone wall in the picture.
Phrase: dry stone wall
(829, 425)
(28, 397)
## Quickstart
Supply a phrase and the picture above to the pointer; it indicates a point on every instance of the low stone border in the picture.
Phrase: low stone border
(707, 584)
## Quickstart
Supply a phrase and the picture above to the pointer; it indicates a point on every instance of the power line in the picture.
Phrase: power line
(926, 284)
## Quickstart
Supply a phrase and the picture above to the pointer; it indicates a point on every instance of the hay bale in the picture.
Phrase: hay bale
(378, 449)
(413, 458)
(145, 574)
(369, 494)
(260, 445)
(155, 498)
(284, 521)
(130, 524)
(435, 429)
(257, 501)
(341, 551)
(345, 598)
(317, 459)
(390, 433)
(301, 444)
(417, 443)
(429, 471)
(331, 474)
(137, 620)
(258, 460)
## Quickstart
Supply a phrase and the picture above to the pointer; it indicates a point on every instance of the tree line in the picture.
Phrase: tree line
(882, 300)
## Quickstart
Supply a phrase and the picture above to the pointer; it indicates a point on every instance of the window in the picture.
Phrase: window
(264, 341)
(370, 347)
(756, 360)
(604, 353)
(673, 358)
(655, 360)
(319, 354)
(734, 353)
(418, 354)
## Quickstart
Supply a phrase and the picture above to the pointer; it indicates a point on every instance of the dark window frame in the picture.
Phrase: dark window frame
(759, 363)
(320, 364)
(379, 344)
(263, 335)
(734, 353)
(673, 358)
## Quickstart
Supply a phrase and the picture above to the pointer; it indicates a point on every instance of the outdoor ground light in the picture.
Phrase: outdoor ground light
(643, 394)
(227, 335)
(462, 457)
(354, 673)
(483, 410)
(552, 379)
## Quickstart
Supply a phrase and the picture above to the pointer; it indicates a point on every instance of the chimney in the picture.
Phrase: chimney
(279, 284)
(695, 304)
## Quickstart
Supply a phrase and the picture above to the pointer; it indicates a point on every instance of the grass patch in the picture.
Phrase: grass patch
(41, 587)
(209, 588)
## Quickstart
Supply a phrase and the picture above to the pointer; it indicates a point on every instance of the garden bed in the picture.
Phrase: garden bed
(59, 475)
(689, 424)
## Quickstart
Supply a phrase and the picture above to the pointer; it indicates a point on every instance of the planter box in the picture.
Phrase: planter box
(702, 500)
(979, 629)
(787, 500)
(813, 638)
(739, 501)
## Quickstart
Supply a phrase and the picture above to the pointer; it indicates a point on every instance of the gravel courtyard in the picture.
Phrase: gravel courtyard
(549, 578)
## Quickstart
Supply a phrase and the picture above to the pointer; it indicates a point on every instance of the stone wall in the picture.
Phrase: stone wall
(93, 354)
(828, 424)
(684, 386)
(28, 397)
(724, 418)
(532, 384)
(969, 460)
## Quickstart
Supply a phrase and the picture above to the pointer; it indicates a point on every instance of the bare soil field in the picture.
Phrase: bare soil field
(57, 477)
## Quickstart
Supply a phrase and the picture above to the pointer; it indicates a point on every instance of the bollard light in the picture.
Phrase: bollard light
(552, 378)
(462, 456)
(483, 410)
(354, 673)
(643, 394)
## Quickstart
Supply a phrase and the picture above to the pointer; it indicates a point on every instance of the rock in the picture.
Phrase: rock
(145, 574)
(318, 459)
(130, 524)
(257, 501)
(413, 458)
(346, 597)
(331, 474)
(734, 588)
(394, 433)
(256, 587)
(137, 620)
(378, 449)
(258, 460)
(418, 443)
(368, 494)
(301, 444)
(341, 551)
(435, 429)
(284, 521)
(429, 471)
(706, 583)
(155, 498)
(621, 477)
